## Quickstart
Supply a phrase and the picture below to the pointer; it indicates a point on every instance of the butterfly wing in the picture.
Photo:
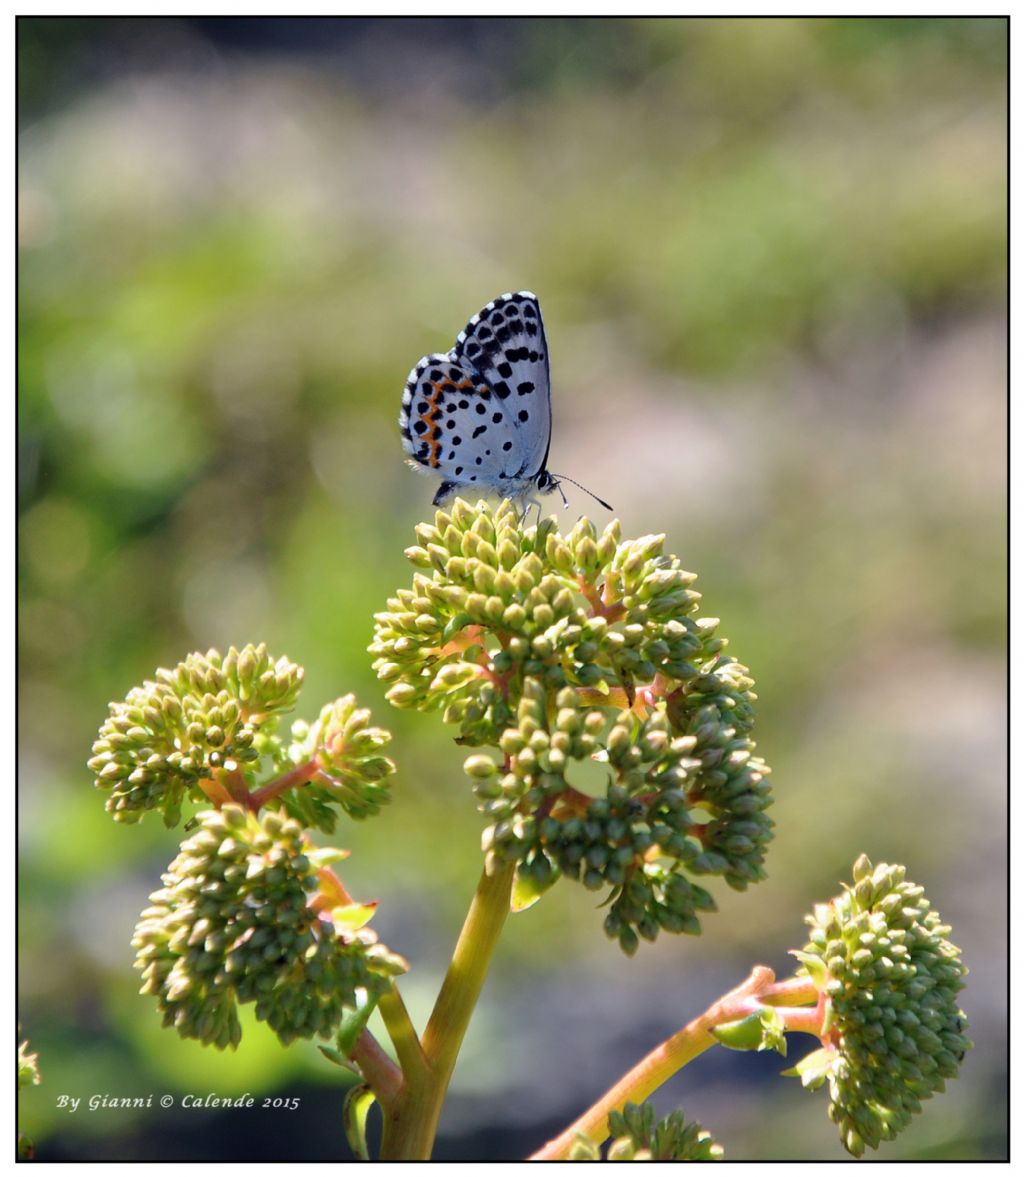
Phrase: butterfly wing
(505, 342)
(480, 415)
(453, 425)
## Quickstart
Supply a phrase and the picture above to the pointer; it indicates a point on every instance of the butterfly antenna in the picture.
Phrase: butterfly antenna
(565, 478)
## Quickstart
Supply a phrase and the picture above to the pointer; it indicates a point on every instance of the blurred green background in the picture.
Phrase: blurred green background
(771, 256)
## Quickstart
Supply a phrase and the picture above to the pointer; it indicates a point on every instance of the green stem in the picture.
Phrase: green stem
(446, 1028)
(675, 1052)
(411, 1126)
(402, 1033)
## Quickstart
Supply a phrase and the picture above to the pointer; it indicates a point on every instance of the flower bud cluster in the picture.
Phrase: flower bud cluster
(233, 924)
(716, 711)
(208, 713)
(28, 1066)
(635, 840)
(556, 649)
(351, 770)
(28, 1074)
(636, 1137)
(895, 1030)
(581, 609)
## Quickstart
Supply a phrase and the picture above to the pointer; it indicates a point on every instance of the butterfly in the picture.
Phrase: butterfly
(480, 415)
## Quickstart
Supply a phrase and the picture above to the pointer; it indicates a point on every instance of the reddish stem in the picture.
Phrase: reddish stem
(216, 790)
(300, 775)
(804, 1019)
(599, 602)
(472, 635)
(616, 697)
(383, 1076)
(759, 989)
(792, 991)
(225, 787)
(236, 786)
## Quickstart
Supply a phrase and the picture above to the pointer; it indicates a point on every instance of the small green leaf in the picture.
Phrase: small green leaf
(352, 916)
(764, 1030)
(813, 1069)
(745, 1034)
(327, 855)
(357, 1108)
(815, 967)
(339, 1060)
(526, 890)
(354, 1021)
(455, 625)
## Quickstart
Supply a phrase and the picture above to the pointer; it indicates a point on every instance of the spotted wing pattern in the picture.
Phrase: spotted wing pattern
(480, 414)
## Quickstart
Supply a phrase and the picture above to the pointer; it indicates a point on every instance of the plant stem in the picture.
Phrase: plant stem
(380, 1073)
(411, 1126)
(402, 1033)
(674, 1053)
(443, 1036)
(289, 780)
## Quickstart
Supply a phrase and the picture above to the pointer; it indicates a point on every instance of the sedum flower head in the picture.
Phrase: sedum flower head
(556, 649)
(233, 924)
(894, 1029)
(212, 718)
(208, 713)
(352, 771)
(636, 1137)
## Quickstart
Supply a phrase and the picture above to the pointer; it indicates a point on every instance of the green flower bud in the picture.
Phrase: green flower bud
(635, 1136)
(583, 1149)
(891, 975)
(480, 767)
(253, 937)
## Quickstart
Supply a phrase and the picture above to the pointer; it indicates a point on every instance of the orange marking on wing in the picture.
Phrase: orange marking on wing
(433, 436)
